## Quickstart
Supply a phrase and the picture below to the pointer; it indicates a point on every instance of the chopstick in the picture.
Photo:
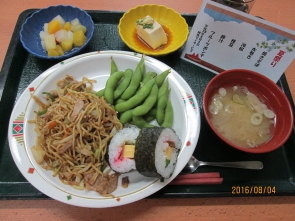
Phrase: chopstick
(197, 179)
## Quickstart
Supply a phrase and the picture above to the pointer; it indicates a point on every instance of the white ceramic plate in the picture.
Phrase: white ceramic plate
(96, 66)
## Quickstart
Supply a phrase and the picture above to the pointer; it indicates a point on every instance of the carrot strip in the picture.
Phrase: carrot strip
(52, 125)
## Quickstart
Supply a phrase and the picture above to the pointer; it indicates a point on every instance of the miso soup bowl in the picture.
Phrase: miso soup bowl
(267, 91)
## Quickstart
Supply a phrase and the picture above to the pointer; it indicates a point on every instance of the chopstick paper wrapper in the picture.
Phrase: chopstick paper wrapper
(197, 179)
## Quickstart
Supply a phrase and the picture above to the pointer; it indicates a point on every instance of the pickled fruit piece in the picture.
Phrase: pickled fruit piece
(67, 45)
(52, 53)
(54, 26)
(79, 27)
(79, 38)
(49, 41)
(59, 50)
(67, 26)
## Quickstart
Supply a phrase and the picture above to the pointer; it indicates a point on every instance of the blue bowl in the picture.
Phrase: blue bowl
(29, 34)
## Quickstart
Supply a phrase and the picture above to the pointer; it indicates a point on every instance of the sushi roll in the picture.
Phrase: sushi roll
(121, 150)
(156, 152)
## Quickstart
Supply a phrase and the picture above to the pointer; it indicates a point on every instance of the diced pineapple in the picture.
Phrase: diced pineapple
(42, 35)
(59, 50)
(128, 151)
(67, 45)
(75, 22)
(60, 19)
(52, 53)
(43, 45)
(79, 38)
(46, 27)
(49, 41)
(70, 35)
(67, 26)
(54, 26)
(79, 27)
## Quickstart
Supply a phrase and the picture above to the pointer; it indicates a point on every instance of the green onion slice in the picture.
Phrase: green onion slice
(40, 113)
(236, 98)
(50, 95)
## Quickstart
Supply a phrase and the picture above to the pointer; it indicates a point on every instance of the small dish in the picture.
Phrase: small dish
(173, 23)
(267, 92)
(29, 34)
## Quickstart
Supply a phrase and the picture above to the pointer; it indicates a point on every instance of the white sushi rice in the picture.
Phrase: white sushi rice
(160, 158)
(124, 136)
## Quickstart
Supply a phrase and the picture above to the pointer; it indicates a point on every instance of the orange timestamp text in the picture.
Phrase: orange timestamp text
(237, 190)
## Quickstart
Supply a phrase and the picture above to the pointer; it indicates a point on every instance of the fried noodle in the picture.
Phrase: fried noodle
(74, 132)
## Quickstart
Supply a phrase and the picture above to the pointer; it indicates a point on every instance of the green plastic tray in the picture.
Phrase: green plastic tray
(20, 69)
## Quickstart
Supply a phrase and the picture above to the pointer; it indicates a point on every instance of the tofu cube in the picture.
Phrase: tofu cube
(150, 31)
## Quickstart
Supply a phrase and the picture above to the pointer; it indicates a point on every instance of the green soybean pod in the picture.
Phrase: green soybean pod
(152, 111)
(148, 103)
(114, 67)
(161, 105)
(119, 100)
(148, 76)
(124, 83)
(140, 122)
(110, 86)
(149, 118)
(163, 88)
(151, 114)
(100, 93)
(135, 80)
(137, 98)
(161, 77)
(126, 117)
(168, 118)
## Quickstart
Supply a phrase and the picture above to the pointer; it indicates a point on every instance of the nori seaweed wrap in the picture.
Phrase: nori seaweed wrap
(156, 152)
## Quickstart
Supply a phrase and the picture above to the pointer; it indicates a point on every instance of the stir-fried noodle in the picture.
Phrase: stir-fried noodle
(73, 130)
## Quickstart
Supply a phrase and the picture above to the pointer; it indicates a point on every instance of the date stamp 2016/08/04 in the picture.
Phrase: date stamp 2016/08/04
(236, 190)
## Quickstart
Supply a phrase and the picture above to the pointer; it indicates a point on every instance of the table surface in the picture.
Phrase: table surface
(228, 208)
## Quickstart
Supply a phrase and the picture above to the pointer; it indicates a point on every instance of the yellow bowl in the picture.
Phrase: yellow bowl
(172, 22)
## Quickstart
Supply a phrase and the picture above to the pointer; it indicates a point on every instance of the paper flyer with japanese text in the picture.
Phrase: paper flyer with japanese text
(223, 38)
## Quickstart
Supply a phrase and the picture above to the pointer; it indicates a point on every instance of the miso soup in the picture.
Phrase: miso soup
(241, 117)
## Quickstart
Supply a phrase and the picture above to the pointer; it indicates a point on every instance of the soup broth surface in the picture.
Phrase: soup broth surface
(241, 117)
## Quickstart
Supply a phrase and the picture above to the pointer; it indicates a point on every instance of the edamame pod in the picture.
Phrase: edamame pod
(137, 98)
(163, 88)
(150, 115)
(113, 70)
(124, 83)
(114, 67)
(148, 76)
(119, 100)
(149, 118)
(140, 122)
(100, 93)
(126, 117)
(110, 86)
(148, 103)
(168, 118)
(161, 105)
(161, 77)
(135, 81)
